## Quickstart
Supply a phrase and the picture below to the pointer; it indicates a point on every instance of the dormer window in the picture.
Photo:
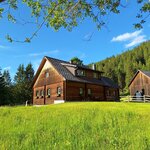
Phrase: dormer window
(47, 74)
(95, 75)
(80, 73)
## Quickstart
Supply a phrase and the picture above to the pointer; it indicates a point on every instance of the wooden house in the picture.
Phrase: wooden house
(58, 81)
(140, 82)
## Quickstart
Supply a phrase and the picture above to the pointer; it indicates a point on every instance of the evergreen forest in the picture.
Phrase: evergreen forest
(121, 68)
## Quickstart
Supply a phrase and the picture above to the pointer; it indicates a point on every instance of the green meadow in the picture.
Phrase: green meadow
(76, 126)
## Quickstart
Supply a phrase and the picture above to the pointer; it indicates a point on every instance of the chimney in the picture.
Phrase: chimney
(94, 66)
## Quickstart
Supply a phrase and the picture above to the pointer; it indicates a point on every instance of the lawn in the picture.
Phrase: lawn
(76, 126)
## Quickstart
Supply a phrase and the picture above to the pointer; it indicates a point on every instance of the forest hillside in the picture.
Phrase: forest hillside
(121, 68)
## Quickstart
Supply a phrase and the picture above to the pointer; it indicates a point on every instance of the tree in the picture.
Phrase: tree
(29, 75)
(7, 78)
(77, 61)
(69, 13)
(121, 68)
(23, 81)
(2, 89)
(19, 88)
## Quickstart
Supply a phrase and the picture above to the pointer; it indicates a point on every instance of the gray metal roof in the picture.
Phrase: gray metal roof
(70, 77)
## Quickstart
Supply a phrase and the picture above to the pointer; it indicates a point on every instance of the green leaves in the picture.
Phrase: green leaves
(66, 14)
(11, 18)
(1, 11)
(27, 40)
(9, 38)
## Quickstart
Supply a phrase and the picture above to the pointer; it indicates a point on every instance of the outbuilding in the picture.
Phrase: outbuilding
(140, 82)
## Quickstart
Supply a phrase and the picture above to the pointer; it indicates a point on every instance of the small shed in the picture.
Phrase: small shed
(140, 82)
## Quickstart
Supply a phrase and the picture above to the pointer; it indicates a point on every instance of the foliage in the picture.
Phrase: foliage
(2, 88)
(76, 60)
(23, 81)
(121, 68)
(105, 126)
(69, 13)
(20, 91)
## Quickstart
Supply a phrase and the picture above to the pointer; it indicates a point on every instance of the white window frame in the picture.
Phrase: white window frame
(48, 92)
(58, 91)
(81, 91)
(47, 74)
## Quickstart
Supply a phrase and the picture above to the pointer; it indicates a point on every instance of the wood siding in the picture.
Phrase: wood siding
(140, 82)
(42, 83)
(53, 94)
(98, 92)
(111, 94)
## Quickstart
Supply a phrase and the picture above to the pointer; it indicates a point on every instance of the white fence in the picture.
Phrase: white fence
(144, 99)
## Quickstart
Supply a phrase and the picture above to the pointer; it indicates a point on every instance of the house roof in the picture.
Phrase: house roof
(60, 66)
(147, 73)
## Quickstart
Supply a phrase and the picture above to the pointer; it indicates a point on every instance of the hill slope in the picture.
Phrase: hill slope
(121, 68)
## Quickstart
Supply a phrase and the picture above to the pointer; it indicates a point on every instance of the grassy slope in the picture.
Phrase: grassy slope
(76, 126)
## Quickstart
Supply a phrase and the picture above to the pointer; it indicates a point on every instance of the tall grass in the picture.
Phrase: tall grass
(76, 126)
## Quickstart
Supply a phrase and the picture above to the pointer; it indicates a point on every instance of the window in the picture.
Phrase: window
(37, 94)
(58, 91)
(114, 93)
(42, 93)
(48, 92)
(80, 72)
(89, 91)
(81, 91)
(95, 75)
(47, 74)
(108, 93)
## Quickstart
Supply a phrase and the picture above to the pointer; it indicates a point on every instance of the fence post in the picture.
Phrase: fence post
(128, 98)
(144, 98)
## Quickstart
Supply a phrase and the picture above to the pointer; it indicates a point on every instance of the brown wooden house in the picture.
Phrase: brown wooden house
(58, 81)
(140, 82)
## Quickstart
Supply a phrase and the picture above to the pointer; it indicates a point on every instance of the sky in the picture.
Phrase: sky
(84, 41)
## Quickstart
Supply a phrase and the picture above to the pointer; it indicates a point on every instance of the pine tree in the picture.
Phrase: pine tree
(29, 75)
(121, 68)
(7, 78)
(2, 89)
(19, 89)
(23, 82)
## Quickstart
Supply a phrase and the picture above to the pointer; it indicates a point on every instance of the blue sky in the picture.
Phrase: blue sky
(117, 37)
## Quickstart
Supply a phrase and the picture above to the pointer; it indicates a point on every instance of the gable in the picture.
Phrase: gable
(41, 79)
(139, 79)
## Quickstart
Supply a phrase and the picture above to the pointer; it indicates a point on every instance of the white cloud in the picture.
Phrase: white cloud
(3, 47)
(136, 41)
(132, 38)
(44, 53)
(7, 68)
(126, 36)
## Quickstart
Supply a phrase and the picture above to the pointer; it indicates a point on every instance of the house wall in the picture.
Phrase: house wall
(53, 96)
(42, 83)
(140, 82)
(111, 94)
(97, 92)
(72, 91)
(90, 74)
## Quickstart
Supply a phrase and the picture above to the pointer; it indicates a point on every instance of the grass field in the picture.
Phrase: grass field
(76, 126)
